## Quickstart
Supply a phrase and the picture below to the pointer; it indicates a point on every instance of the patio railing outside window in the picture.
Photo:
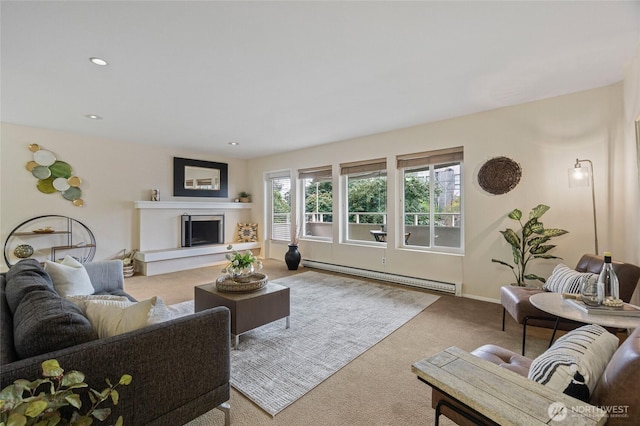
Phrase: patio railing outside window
(430, 202)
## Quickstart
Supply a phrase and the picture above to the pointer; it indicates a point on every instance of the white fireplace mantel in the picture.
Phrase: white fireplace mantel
(159, 234)
(190, 205)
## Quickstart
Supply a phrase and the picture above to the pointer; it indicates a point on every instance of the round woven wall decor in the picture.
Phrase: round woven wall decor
(499, 175)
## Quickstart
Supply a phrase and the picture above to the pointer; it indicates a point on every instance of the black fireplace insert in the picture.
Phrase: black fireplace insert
(200, 230)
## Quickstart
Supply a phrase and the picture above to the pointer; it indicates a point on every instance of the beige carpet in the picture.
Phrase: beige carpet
(377, 388)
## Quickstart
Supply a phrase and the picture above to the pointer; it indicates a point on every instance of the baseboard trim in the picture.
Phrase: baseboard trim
(423, 283)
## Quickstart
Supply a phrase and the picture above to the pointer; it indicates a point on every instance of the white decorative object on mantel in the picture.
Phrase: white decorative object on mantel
(190, 205)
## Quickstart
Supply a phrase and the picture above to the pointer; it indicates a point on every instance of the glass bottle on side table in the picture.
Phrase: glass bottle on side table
(609, 282)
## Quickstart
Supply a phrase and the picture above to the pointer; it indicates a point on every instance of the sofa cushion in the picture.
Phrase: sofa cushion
(504, 358)
(69, 277)
(42, 320)
(7, 350)
(106, 276)
(118, 317)
(576, 361)
(566, 280)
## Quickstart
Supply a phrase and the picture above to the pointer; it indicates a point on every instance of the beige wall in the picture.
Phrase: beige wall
(114, 174)
(629, 157)
(545, 137)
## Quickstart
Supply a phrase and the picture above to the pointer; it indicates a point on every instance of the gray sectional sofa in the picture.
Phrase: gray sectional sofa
(180, 367)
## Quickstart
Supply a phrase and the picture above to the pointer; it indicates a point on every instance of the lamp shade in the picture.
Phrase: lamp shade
(579, 176)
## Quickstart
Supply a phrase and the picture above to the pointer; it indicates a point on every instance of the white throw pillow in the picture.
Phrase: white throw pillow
(160, 313)
(565, 280)
(575, 362)
(119, 317)
(106, 299)
(69, 277)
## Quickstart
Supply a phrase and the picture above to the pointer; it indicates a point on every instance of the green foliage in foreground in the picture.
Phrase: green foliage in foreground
(53, 400)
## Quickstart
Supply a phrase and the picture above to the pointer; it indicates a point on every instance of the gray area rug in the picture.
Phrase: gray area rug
(333, 320)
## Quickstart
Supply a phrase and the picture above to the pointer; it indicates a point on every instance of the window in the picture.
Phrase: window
(366, 190)
(279, 189)
(318, 202)
(432, 194)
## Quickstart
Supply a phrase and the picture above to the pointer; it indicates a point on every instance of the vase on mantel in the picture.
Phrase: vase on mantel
(292, 257)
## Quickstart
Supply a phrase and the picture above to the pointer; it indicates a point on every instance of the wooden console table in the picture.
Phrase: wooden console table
(500, 396)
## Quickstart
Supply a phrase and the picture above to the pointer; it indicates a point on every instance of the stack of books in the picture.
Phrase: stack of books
(626, 310)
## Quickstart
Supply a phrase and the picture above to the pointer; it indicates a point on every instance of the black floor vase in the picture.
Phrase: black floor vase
(292, 257)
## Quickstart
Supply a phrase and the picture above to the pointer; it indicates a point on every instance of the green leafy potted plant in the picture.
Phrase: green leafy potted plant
(528, 243)
(241, 265)
(245, 197)
(54, 401)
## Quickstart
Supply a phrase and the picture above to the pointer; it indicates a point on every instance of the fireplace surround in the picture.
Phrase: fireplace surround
(197, 230)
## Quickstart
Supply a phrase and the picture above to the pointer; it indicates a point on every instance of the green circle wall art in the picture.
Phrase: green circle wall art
(54, 175)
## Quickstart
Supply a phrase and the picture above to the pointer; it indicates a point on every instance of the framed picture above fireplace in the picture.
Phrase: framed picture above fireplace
(199, 178)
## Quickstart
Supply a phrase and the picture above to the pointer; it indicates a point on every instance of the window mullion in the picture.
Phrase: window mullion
(432, 228)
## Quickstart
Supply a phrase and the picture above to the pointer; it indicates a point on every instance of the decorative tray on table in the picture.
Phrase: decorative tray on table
(253, 282)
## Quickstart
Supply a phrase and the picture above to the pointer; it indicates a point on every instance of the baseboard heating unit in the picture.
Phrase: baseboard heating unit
(385, 276)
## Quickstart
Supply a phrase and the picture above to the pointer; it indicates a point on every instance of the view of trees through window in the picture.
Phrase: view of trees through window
(366, 203)
(367, 196)
(430, 201)
(416, 197)
(280, 208)
(318, 207)
(432, 208)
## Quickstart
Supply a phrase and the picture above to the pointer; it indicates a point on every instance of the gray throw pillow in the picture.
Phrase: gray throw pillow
(44, 323)
(7, 350)
(23, 278)
(42, 320)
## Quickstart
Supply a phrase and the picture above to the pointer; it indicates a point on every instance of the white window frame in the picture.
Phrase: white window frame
(324, 173)
(269, 179)
(360, 168)
(432, 159)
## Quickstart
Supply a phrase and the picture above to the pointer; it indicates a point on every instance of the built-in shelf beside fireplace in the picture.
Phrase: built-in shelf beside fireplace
(159, 242)
(154, 262)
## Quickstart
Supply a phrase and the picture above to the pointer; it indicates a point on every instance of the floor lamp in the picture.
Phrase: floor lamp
(583, 176)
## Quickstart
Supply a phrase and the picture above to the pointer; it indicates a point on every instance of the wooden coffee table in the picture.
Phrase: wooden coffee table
(248, 310)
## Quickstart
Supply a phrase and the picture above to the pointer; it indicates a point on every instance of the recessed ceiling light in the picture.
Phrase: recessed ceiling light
(234, 143)
(98, 61)
(93, 117)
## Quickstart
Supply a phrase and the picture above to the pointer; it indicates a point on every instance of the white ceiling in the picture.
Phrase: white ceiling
(276, 76)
